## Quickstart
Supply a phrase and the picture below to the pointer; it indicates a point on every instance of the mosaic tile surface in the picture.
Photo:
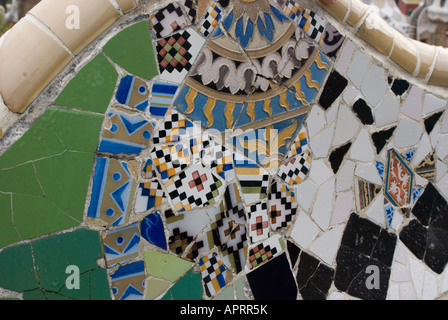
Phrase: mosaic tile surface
(229, 150)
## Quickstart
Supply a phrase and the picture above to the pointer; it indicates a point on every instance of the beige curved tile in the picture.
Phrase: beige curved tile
(415, 57)
(127, 5)
(62, 16)
(30, 58)
(439, 75)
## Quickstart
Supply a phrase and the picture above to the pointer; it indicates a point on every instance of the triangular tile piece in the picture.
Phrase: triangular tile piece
(427, 168)
(365, 192)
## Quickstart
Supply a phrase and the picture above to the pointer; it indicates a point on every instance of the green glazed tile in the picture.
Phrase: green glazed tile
(21, 179)
(17, 269)
(71, 171)
(34, 295)
(48, 171)
(35, 216)
(53, 255)
(239, 288)
(132, 50)
(92, 88)
(189, 287)
(99, 285)
(166, 266)
(7, 230)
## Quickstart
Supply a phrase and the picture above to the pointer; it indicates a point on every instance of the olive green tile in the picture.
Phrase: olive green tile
(226, 294)
(155, 287)
(92, 88)
(165, 266)
(54, 254)
(8, 232)
(189, 287)
(17, 269)
(132, 50)
(239, 288)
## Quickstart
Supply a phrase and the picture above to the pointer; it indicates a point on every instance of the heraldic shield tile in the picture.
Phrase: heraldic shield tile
(399, 180)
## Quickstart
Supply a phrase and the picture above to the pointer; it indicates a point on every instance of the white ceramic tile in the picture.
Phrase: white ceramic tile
(358, 68)
(432, 103)
(399, 273)
(401, 253)
(387, 111)
(418, 275)
(350, 94)
(323, 206)
(332, 112)
(412, 106)
(393, 292)
(320, 172)
(321, 143)
(442, 185)
(375, 210)
(342, 207)
(374, 86)
(423, 149)
(444, 285)
(327, 245)
(441, 169)
(407, 291)
(315, 121)
(304, 230)
(368, 172)
(430, 286)
(305, 193)
(346, 126)
(397, 221)
(408, 133)
(444, 123)
(442, 146)
(434, 135)
(345, 175)
(345, 56)
(361, 148)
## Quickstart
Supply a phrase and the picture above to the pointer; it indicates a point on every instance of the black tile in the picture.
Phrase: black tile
(414, 236)
(380, 138)
(349, 264)
(306, 268)
(399, 86)
(429, 205)
(323, 277)
(360, 287)
(311, 292)
(337, 155)
(431, 121)
(436, 255)
(273, 280)
(360, 234)
(363, 111)
(334, 86)
(385, 247)
(293, 251)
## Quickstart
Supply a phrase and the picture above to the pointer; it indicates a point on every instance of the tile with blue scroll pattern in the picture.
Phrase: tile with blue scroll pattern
(152, 230)
(127, 134)
(121, 245)
(128, 282)
(113, 188)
